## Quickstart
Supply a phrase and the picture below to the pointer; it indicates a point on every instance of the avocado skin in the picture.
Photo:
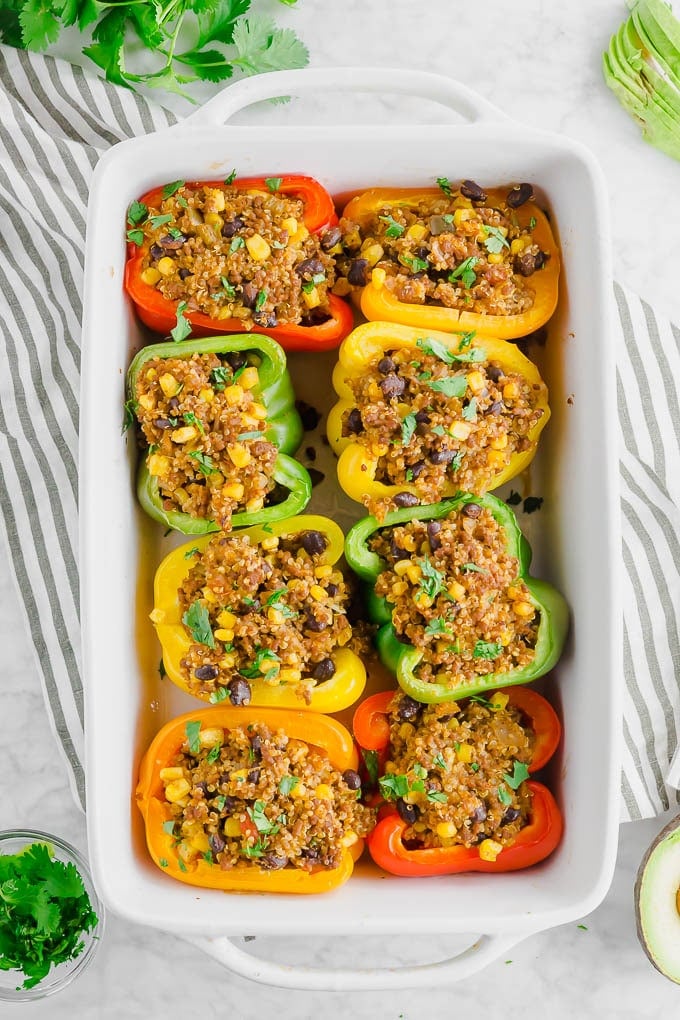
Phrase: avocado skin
(642, 926)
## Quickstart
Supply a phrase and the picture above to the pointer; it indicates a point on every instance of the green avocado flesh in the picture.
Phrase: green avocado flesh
(642, 68)
(656, 902)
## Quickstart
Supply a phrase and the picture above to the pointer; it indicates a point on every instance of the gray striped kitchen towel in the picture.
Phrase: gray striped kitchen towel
(55, 121)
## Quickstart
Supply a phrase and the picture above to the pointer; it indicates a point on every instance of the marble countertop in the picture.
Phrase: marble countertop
(539, 62)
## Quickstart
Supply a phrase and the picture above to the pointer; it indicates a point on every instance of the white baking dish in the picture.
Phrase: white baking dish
(575, 536)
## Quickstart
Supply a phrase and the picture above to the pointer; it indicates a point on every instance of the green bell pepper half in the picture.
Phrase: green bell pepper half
(403, 659)
(284, 429)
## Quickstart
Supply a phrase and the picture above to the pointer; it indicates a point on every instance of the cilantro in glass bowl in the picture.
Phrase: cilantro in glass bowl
(51, 918)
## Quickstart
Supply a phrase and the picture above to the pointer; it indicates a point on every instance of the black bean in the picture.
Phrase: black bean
(235, 359)
(417, 469)
(398, 553)
(433, 529)
(525, 264)
(479, 814)
(472, 190)
(173, 403)
(249, 292)
(422, 252)
(230, 803)
(511, 815)
(232, 227)
(423, 418)
(156, 252)
(239, 691)
(353, 424)
(162, 423)
(256, 745)
(323, 670)
(471, 510)
(311, 623)
(407, 812)
(520, 194)
(309, 268)
(352, 779)
(358, 269)
(266, 319)
(216, 843)
(313, 542)
(172, 243)
(273, 862)
(443, 456)
(540, 259)
(495, 408)
(254, 775)
(408, 708)
(332, 589)
(310, 853)
(392, 386)
(208, 672)
(494, 372)
(184, 273)
(331, 237)
(250, 607)
(404, 499)
(386, 365)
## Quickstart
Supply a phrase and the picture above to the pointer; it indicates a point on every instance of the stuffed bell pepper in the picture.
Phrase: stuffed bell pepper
(424, 415)
(257, 800)
(452, 257)
(260, 616)
(241, 254)
(458, 612)
(455, 782)
(218, 419)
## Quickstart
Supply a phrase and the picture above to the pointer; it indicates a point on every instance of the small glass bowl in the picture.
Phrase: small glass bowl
(12, 841)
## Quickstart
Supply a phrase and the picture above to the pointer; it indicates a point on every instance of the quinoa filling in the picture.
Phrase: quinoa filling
(272, 613)
(457, 772)
(431, 416)
(449, 250)
(237, 254)
(456, 596)
(205, 430)
(256, 795)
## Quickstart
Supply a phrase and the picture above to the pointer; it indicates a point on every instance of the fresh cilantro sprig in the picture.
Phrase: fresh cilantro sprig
(221, 40)
(44, 911)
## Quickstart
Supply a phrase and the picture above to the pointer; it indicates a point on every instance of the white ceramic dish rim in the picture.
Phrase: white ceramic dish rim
(126, 884)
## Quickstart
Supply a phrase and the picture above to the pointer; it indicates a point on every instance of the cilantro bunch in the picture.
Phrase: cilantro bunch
(191, 40)
(44, 911)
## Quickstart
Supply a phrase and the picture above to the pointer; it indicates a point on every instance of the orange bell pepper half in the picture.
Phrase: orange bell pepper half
(379, 304)
(535, 841)
(160, 314)
(323, 734)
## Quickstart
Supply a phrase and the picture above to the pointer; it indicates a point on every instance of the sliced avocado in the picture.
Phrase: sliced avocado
(657, 901)
(660, 90)
(656, 24)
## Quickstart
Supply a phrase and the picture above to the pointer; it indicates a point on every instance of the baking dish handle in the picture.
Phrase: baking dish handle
(480, 954)
(385, 80)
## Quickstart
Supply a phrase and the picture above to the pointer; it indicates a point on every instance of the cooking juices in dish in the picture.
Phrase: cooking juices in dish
(452, 257)
(252, 253)
(450, 587)
(455, 778)
(218, 418)
(250, 799)
(261, 616)
(423, 415)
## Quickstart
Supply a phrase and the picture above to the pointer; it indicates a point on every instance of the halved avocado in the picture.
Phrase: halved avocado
(657, 901)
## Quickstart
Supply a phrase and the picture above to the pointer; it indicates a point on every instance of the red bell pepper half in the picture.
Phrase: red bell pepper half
(160, 314)
(534, 842)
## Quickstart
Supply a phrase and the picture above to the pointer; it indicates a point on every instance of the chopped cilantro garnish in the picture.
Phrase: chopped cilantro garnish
(287, 784)
(169, 827)
(465, 272)
(393, 786)
(472, 568)
(183, 202)
(219, 802)
(228, 288)
(415, 264)
(445, 185)
(196, 618)
(504, 796)
(532, 223)
(249, 435)
(192, 730)
(195, 551)
(170, 189)
(457, 461)
(257, 850)
(437, 796)
(420, 771)
(273, 183)
(207, 856)
(137, 213)
(191, 419)
(230, 178)
(474, 766)
(394, 229)
(408, 427)
(204, 463)
(220, 377)
(163, 861)
(218, 695)
(213, 754)
(519, 773)
(470, 410)
(371, 763)
(275, 600)
(182, 328)
(495, 241)
(263, 657)
(260, 300)
(450, 386)
(487, 650)
(237, 242)
(437, 626)
(175, 234)
(438, 430)
(181, 865)
(257, 815)
(129, 414)
(431, 580)
(440, 762)
(158, 221)
(136, 236)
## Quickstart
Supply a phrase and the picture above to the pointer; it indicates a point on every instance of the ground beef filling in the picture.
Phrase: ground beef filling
(447, 251)
(456, 597)
(237, 254)
(457, 771)
(272, 613)
(431, 419)
(254, 795)
(205, 433)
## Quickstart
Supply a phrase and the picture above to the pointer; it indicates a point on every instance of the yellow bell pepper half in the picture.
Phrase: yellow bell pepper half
(333, 695)
(366, 345)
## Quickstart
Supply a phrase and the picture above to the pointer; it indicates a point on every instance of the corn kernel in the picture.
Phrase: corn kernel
(214, 199)
(210, 736)
(414, 573)
(232, 827)
(495, 258)
(409, 543)
(169, 385)
(233, 395)
(151, 276)
(270, 543)
(517, 245)
(406, 730)
(401, 566)
(158, 465)
(499, 700)
(460, 215)
(186, 853)
(298, 791)
(461, 430)
(495, 458)
(184, 434)
(503, 231)
(234, 490)
(249, 377)
(378, 277)
(214, 219)
(275, 615)
(399, 588)
(289, 675)
(317, 592)
(177, 790)
(499, 442)
(209, 595)
(258, 411)
(171, 772)
(461, 202)
(239, 774)
(258, 247)
(200, 843)
(325, 570)
(464, 753)
(476, 381)
(419, 826)
(255, 504)
(157, 615)
(207, 395)
(456, 591)
(489, 849)
(301, 234)
(323, 792)
(524, 609)
(311, 298)
(147, 402)
(416, 232)
(514, 592)
(166, 266)
(225, 312)
(290, 225)
(349, 839)
(342, 287)
(446, 830)
(422, 600)
(510, 391)
(226, 618)
(344, 636)
(225, 634)
(239, 454)
(373, 253)
(228, 661)
(151, 373)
